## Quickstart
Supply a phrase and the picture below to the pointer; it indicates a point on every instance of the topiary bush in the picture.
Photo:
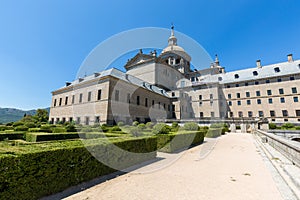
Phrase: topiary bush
(141, 126)
(46, 128)
(15, 124)
(135, 123)
(149, 125)
(70, 128)
(213, 132)
(287, 126)
(272, 126)
(30, 124)
(34, 130)
(21, 128)
(115, 128)
(120, 123)
(191, 126)
(59, 130)
(161, 128)
(297, 127)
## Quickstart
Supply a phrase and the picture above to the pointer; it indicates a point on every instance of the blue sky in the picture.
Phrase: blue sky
(43, 43)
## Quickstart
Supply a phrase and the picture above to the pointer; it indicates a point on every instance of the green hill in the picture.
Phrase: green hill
(13, 114)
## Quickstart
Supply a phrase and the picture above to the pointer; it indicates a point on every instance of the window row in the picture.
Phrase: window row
(259, 101)
(284, 113)
(87, 120)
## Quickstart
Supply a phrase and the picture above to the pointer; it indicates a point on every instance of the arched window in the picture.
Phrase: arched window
(236, 76)
(255, 73)
(276, 69)
(220, 78)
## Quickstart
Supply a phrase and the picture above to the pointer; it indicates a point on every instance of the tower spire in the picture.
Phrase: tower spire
(172, 39)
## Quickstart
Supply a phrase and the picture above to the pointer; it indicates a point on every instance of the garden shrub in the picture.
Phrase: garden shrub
(141, 126)
(46, 128)
(224, 127)
(70, 128)
(115, 128)
(30, 124)
(135, 123)
(213, 132)
(59, 130)
(11, 136)
(34, 129)
(297, 127)
(21, 128)
(149, 125)
(287, 126)
(120, 123)
(4, 128)
(191, 126)
(15, 124)
(30, 175)
(272, 126)
(161, 128)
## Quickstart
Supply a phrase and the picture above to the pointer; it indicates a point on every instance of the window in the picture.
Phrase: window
(270, 100)
(87, 120)
(73, 99)
(173, 94)
(282, 100)
(285, 113)
(200, 97)
(159, 106)
(89, 96)
(248, 102)
(146, 102)
(97, 119)
(211, 102)
(212, 114)
(246, 84)
(165, 106)
(80, 97)
(250, 114)
(182, 84)
(128, 97)
(260, 113)
(298, 113)
(272, 113)
(256, 82)
(258, 93)
(229, 103)
(240, 113)
(200, 103)
(99, 95)
(255, 73)
(117, 95)
(54, 102)
(63, 120)
(281, 91)
(247, 94)
(60, 100)
(70, 119)
(238, 95)
(228, 86)
(296, 99)
(237, 85)
(294, 90)
(66, 101)
(78, 120)
(279, 80)
(292, 78)
(153, 103)
(137, 100)
(239, 103)
(267, 81)
(231, 114)
(220, 78)
(236, 76)
(269, 92)
(229, 96)
(276, 69)
(211, 96)
(258, 101)
(201, 115)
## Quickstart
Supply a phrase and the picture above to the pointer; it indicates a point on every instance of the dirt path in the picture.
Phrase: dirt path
(233, 170)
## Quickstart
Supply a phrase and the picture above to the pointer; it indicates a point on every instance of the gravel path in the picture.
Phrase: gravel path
(234, 169)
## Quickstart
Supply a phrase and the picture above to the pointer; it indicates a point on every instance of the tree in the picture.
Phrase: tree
(41, 115)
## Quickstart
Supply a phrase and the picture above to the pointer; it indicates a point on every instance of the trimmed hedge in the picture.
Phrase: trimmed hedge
(12, 136)
(172, 142)
(32, 175)
(213, 132)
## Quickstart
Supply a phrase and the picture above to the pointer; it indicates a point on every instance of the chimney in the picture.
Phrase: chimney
(258, 64)
(68, 83)
(290, 58)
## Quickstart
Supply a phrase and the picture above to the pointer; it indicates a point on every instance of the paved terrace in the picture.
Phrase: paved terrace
(233, 166)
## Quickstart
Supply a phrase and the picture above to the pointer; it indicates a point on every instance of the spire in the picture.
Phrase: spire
(172, 41)
(217, 60)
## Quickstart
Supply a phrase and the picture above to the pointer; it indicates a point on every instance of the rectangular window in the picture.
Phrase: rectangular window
(159, 106)
(117, 95)
(137, 100)
(201, 115)
(80, 98)
(298, 113)
(229, 103)
(238, 95)
(250, 114)
(89, 96)
(54, 102)
(99, 95)
(128, 97)
(240, 113)
(246, 84)
(294, 90)
(60, 100)
(282, 100)
(211, 96)
(292, 78)
(267, 81)
(270, 101)
(229, 96)
(239, 103)
(78, 120)
(146, 102)
(211, 102)
(256, 83)
(258, 101)
(285, 113)
(200, 97)
(87, 120)
(258, 93)
(248, 102)
(296, 99)
(269, 92)
(279, 80)
(63, 120)
(281, 91)
(70, 119)
(66, 101)
(247, 94)
(165, 106)
(212, 114)
(173, 94)
(200, 103)
(260, 113)
(272, 113)
(97, 119)
(73, 99)
(153, 103)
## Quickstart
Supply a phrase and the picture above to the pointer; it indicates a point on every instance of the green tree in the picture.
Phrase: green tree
(41, 115)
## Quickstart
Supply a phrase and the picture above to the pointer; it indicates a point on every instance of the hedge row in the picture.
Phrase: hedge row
(33, 175)
(11, 136)
(172, 142)
(213, 132)
(38, 137)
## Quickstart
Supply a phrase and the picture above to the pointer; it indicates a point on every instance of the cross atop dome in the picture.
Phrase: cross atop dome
(172, 41)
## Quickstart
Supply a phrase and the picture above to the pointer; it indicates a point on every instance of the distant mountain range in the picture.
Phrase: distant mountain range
(13, 114)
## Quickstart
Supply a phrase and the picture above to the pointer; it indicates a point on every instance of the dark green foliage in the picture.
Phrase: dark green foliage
(120, 123)
(149, 125)
(34, 130)
(70, 128)
(11, 136)
(191, 126)
(30, 124)
(115, 128)
(21, 128)
(287, 126)
(272, 126)
(9, 124)
(15, 124)
(46, 128)
(238, 127)
(4, 128)
(141, 126)
(180, 140)
(213, 132)
(297, 127)
(135, 123)
(161, 128)
(39, 173)
(59, 130)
